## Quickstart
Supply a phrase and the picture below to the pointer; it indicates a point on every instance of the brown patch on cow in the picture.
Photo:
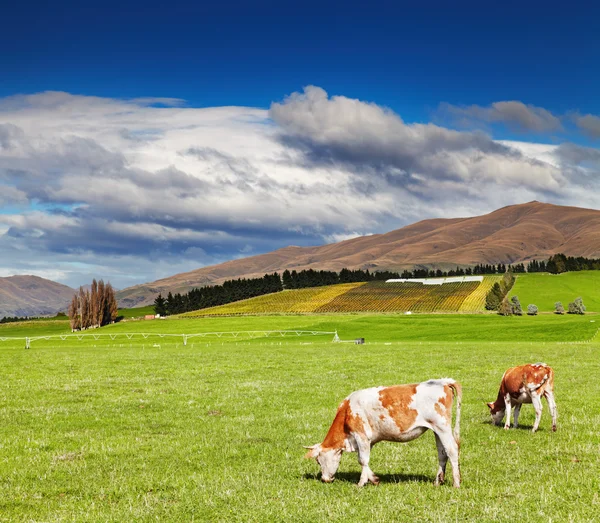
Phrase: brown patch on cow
(444, 405)
(441, 410)
(396, 401)
(336, 435)
(381, 417)
(353, 423)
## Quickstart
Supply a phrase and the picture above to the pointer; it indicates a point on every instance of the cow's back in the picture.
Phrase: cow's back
(527, 378)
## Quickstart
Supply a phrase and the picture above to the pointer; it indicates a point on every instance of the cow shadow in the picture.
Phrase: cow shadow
(512, 427)
(354, 477)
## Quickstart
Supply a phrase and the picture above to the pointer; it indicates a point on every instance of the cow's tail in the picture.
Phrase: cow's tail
(457, 389)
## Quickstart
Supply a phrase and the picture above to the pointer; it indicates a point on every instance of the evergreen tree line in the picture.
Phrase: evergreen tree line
(496, 295)
(14, 319)
(560, 263)
(204, 297)
(312, 278)
(94, 307)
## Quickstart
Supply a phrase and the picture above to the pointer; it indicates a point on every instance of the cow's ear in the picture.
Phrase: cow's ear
(313, 451)
(490, 405)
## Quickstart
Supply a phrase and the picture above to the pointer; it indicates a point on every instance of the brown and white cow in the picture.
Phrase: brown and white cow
(397, 413)
(524, 384)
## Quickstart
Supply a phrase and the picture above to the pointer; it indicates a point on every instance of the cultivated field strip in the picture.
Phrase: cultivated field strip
(377, 296)
(300, 300)
(476, 300)
(402, 297)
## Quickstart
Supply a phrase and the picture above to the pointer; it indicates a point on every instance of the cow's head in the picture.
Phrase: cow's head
(496, 412)
(328, 460)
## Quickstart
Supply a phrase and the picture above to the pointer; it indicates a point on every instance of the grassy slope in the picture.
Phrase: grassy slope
(544, 289)
(128, 431)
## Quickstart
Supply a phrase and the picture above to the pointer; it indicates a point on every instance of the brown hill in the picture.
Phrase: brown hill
(512, 234)
(32, 296)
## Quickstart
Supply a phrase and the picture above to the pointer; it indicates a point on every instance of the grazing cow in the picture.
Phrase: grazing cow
(524, 384)
(398, 413)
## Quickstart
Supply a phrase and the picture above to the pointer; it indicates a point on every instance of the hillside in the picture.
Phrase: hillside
(544, 290)
(512, 234)
(32, 296)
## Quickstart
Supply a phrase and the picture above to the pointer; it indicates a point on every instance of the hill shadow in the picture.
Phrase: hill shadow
(354, 477)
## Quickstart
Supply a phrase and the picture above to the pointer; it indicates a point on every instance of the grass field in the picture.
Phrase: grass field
(136, 312)
(115, 430)
(544, 290)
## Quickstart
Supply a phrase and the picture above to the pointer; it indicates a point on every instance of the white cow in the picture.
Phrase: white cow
(397, 413)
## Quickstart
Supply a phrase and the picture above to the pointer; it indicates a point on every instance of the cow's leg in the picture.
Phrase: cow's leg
(552, 406)
(516, 414)
(364, 453)
(451, 448)
(442, 460)
(507, 404)
(537, 405)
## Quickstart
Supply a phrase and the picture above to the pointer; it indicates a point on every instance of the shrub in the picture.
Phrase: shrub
(505, 308)
(577, 306)
(493, 298)
(558, 308)
(516, 306)
(532, 309)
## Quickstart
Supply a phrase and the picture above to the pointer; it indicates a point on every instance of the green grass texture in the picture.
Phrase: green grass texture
(544, 289)
(152, 430)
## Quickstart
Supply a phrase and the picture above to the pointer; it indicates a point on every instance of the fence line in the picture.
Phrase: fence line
(185, 337)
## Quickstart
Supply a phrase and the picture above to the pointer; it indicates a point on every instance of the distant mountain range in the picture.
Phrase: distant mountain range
(32, 296)
(517, 233)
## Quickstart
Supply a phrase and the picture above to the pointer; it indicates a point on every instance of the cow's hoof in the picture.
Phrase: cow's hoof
(506, 427)
(375, 480)
(553, 428)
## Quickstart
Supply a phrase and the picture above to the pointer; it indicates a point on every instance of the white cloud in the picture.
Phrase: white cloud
(134, 190)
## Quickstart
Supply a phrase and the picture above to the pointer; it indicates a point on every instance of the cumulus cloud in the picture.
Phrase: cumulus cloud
(514, 114)
(589, 124)
(135, 190)
(363, 137)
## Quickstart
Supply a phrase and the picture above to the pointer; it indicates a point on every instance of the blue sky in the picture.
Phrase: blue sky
(130, 91)
(405, 55)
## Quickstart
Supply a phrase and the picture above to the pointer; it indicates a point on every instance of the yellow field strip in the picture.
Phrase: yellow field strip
(476, 300)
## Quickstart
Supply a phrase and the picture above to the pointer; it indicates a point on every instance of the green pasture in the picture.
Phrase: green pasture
(373, 327)
(544, 289)
(152, 430)
(136, 312)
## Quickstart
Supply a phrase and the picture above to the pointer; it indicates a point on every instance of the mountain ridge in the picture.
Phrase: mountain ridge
(28, 295)
(511, 234)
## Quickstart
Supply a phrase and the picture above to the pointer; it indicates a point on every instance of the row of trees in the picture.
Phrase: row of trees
(94, 307)
(496, 295)
(230, 291)
(560, 263)
(513, 307)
